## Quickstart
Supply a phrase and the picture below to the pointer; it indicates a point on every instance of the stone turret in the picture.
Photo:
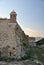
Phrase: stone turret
(13, 21)
(13, 17)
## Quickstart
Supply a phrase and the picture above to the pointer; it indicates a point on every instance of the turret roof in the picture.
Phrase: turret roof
(13, 12)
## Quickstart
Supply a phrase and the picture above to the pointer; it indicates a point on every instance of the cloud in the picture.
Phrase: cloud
(32, 32)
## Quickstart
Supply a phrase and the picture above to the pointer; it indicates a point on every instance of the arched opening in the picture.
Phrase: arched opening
(0, 53)
(11, 16)
(10, 53)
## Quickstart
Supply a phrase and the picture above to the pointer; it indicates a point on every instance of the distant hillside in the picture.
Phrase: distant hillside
(40, 42)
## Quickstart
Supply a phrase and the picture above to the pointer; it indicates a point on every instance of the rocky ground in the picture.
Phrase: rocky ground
(26, 62)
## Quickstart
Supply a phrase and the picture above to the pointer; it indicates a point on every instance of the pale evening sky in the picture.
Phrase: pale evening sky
(30, 14)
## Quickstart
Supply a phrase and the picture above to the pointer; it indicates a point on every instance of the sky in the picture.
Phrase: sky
(30, 15)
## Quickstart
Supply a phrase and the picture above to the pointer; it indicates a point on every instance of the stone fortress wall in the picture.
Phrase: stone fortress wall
(8, 42)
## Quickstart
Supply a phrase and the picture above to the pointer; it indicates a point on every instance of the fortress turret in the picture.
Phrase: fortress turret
(13, 17)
